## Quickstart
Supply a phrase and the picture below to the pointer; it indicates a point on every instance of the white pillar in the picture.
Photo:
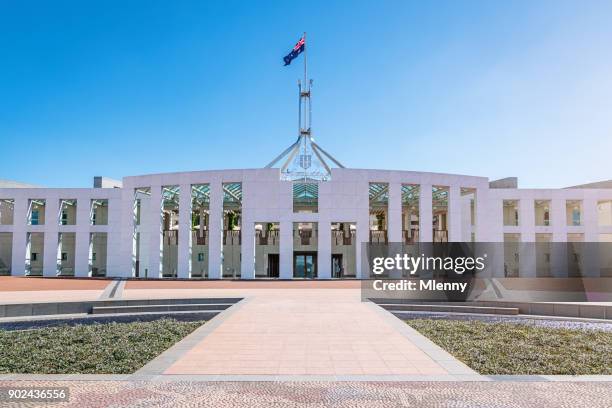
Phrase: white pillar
(286, 250)
(590, 255)
(19, 237)
(184, 232)
(363, 227)
(153, 218)
(81, 236)
(121, 234)
(51, 236)
(394, 230)
(527, 253)
(216, 230)
(247, 246)
(425, 213)
(558, 253)
(324, 249)
(454, 214)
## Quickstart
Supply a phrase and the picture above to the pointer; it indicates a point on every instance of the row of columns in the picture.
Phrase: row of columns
(51, 230)
(286, 230)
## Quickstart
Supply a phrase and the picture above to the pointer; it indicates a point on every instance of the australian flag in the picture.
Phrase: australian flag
(297, 50)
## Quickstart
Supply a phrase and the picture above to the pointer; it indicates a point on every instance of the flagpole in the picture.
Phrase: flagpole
(305, 63)
(307, 86)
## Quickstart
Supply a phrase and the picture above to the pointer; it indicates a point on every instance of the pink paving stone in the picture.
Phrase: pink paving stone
(305, 332)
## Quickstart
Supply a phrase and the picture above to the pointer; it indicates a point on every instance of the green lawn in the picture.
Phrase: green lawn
(506, 348)
(109, 348)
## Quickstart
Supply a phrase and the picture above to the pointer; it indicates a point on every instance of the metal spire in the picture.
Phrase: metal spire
(304, 159)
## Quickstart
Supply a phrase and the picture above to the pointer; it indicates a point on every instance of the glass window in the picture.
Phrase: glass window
(35, 217)
(305, 197)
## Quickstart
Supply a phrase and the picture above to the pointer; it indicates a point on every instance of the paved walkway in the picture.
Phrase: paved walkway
(309, 332)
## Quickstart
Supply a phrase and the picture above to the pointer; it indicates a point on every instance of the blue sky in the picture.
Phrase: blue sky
(487, 88)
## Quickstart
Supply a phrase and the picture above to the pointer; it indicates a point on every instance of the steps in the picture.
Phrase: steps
(156, 308)
(407, 307)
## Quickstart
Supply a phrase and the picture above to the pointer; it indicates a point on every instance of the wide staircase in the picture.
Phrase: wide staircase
(401, 306)
(210, 305)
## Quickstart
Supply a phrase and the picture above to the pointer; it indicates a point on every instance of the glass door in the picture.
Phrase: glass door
(305, 265)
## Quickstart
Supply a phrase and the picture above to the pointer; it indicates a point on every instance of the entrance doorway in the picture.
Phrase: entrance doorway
(336, 266)
(273, 262)
(305, 265)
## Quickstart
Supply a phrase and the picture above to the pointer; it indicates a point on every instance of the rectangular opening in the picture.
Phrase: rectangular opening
(305, 265)
(605, 255)
(543, 248)
(267, 249)
(7, 211)
(142, 233)
(67, 212)
(305, 197)
(573, 212)
(511, 213)
(232, 237)
(410, 213)
(35, 253)
(66, 244)
(344, 245)
(604, 213)
(379, 208)
(200, 211)
(98, 214)
(542, 213)
(439, 197)
(170, 229)
(36, 211)
(305, 246)
(98, 244)
(512, 255)
(575, 244)
(6, 253)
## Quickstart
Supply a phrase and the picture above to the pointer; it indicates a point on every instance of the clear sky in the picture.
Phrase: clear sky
(486, 88)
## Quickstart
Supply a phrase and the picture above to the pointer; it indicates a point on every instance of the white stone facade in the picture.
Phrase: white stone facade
(267, 199)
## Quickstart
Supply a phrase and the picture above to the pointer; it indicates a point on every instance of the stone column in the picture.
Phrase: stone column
(286, 250)
(51, 238)
(558, 253)
(153, 218)
(215, 221)
(324, 249)
(394, 230)
(82, 238)
(425, 213)
(19, 237)
(527, 253)
(454, 214)
(184, 232)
